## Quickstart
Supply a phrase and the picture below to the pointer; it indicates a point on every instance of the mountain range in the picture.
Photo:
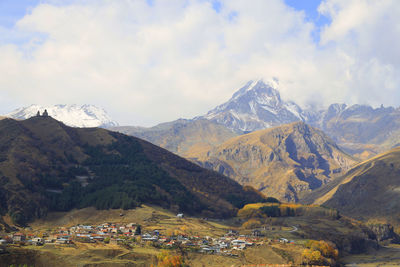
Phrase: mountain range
(360, 130)
(71, 115)
(309, 154)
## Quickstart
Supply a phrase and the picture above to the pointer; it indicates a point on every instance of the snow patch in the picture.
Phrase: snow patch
(71, 115)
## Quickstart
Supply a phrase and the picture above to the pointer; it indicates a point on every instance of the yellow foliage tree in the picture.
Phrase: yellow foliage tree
(310, 256)
(251, 224)
(165, 259)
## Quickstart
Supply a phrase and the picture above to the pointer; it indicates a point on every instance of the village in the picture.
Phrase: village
(130, 235)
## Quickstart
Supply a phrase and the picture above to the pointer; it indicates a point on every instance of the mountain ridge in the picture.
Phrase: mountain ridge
(48, 166)
(255, 106)
(369, 191)
(72, 115)
(283, 161)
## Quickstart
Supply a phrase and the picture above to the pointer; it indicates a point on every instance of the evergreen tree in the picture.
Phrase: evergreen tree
(138, 230)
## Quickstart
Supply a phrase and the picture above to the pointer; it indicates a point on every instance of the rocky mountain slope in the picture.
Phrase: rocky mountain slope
(48, 166)
(256, 106)
(71, 115)
(187, 138)
(369, 191)
(281, 162)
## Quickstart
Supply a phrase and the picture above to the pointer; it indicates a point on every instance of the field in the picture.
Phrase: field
(387, 256)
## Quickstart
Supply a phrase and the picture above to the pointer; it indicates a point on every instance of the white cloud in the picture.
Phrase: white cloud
(152, 63)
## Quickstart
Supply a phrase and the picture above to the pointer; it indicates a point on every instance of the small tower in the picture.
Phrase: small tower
(45, 114)
(38, 114)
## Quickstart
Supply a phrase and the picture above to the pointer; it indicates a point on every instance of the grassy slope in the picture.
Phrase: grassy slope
(281, 161)
(370, 190)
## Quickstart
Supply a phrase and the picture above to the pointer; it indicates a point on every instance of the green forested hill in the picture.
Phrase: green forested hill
(45, 165)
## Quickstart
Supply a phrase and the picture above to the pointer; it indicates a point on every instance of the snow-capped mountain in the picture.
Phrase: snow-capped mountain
(256, 106)
(71, 115)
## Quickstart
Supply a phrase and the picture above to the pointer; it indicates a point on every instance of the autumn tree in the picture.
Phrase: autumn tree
(166, 259)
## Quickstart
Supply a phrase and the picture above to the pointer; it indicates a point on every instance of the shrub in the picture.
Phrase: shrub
(251, 224)
(166, 259)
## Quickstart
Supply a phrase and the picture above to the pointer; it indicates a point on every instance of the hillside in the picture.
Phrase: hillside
(47, 166)
(187, 138)
(369, 191)
(282, 162)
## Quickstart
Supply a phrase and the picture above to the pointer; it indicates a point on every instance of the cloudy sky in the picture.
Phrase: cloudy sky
(151, 61)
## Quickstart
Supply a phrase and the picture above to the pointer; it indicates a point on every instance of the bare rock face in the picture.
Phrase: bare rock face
(282, 162)
(385, 232)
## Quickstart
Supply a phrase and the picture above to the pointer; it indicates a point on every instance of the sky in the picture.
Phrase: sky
(152, 61)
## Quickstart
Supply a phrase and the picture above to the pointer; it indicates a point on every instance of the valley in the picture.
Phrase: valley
(291, 186)
(199, 133)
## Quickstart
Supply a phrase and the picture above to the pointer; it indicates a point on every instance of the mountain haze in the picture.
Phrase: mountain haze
(187, 138)
(283, 162)
(361, 129)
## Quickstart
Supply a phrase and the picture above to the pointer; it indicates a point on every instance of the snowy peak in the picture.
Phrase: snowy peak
(259, 86)
(255, 106)
(71, 115)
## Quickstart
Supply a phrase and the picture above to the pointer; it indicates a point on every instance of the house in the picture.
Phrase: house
(210, 250)
(37, 241)
(148, 237)
(3, 242)
(223, 245)
(19, 237)
(238, 244)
